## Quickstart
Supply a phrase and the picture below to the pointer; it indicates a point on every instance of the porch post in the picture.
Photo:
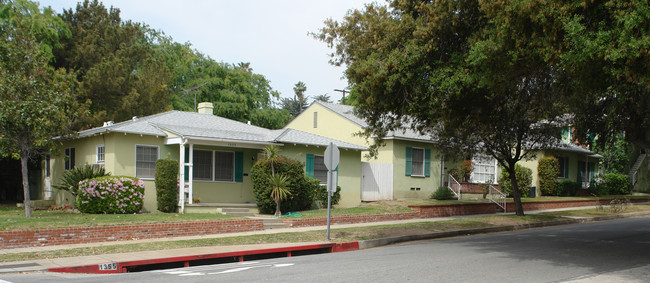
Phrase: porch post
(181, 173)
(191, 175)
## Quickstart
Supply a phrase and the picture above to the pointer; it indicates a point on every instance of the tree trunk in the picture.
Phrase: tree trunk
(23, 164)
(516, 194)
(277, 208)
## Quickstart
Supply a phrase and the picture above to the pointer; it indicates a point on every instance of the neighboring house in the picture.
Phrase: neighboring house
(408, 166)
(218, 153)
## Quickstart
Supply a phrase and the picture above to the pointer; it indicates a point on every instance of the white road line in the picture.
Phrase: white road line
(192, 274)
(234, 270)
(283, 264)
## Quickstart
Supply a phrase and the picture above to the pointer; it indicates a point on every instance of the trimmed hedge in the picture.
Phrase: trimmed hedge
(320, 195)
(567, 188)
(166, 180)
(612, 184)
(548, 169)
(111, 194)
(302, 188)
(524, 179)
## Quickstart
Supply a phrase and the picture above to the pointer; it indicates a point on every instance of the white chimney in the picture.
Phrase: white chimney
(205, 108)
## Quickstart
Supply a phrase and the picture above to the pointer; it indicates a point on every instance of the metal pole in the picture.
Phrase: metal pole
(329, 202)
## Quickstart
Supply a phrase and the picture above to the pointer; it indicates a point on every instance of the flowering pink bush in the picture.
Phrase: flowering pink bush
(111, 194)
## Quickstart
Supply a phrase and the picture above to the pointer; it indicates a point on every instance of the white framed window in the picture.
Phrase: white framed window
(485, 169)
(145, 161)
(202, 162)
(224, 166)
(320, 170)
(69, 158)
(418, 162)
(564, 166)
(101, 154)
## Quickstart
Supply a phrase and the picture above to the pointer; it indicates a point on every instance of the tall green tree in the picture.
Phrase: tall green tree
(609, 59)
(36, 101)
(116, 63)
(477, 76)
(298, 103)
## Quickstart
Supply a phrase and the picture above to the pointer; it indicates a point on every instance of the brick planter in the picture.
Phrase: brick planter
(64, 236)
(350, 219)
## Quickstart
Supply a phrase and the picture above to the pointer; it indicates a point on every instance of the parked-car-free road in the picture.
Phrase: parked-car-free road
(612, 251)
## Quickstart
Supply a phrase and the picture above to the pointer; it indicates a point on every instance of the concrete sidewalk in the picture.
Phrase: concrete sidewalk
(46, 264)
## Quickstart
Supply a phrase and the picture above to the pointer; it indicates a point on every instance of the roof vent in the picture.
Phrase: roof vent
(206, 108)
(135, 118)
(109, 123)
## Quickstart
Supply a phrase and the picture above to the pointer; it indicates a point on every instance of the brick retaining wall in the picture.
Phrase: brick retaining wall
(79, 235)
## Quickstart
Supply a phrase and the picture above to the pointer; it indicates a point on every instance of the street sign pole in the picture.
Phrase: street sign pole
(331, 160)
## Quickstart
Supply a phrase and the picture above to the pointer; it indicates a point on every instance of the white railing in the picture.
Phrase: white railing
(497, 197)
(635, 168)
(454, 186)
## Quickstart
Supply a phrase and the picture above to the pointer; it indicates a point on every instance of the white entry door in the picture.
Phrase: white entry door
(376, 181)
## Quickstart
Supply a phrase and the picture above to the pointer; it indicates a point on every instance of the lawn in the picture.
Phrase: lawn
(601, 211)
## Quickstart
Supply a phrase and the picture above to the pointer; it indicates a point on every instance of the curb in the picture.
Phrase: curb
(367, 244)
(187, 261)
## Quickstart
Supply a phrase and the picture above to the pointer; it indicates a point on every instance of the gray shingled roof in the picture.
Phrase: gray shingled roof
(347, 112)
(206, 126)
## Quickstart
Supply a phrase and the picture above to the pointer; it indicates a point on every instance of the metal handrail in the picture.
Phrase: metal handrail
(497, 197)
(451, 186)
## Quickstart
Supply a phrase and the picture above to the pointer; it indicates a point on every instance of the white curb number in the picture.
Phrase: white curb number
(108, 266)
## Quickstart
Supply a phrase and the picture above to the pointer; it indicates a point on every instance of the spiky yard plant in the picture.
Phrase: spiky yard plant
(70, 179)
(279, 190)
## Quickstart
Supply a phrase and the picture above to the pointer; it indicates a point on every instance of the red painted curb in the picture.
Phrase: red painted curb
(124, 266)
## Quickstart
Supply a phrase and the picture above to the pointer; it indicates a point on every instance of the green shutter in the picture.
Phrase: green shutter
(187, 159)
(427, 162)
(239, 166)
(309, 165)
(409, 161)
(592, 169)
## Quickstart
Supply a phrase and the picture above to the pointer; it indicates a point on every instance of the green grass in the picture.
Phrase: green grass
(353, 211)
(337, 235)
(602, 211)
(14, 219)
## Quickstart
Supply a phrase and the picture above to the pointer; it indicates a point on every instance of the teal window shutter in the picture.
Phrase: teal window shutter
(592, 169)
(409, 161)
(187, 159)
(309, 165)
(427, 162)
(239, 166)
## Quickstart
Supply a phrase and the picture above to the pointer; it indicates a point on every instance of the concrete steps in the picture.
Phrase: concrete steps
(274, 223)
(244, 212)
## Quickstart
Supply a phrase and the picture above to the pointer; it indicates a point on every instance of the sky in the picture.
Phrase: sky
(270, 34)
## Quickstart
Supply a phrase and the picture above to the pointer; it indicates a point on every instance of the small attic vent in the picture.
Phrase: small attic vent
(109, 123)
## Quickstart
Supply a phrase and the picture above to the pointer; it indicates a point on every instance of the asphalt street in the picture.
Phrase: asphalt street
(610, 251)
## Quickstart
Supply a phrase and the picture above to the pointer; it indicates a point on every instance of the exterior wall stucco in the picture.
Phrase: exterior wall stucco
(403, 183)
(329, 124)
(349, 178)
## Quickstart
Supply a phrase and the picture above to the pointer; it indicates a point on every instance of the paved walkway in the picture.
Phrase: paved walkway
(45, 264)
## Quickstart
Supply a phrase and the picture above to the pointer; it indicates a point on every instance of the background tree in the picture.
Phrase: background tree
(323, 98)
(116, 63)
(298, 103)
(609, 60)
(478, 76)
(36, 101)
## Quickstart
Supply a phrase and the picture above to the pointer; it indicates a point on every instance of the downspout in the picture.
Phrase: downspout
(442, 170)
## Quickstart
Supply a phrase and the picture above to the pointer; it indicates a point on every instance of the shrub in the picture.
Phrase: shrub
(524, 179)
(567, 188)
(548, 170)
(71, 178)
(166, 180)
(111, 195)
(443, 193)
(612, 184)
(320, 195)
(301, 188)
(466, 169)
(455, 172)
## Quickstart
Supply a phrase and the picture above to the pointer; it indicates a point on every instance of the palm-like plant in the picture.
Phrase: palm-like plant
(271, 152)
(279, 190)
(70, 179)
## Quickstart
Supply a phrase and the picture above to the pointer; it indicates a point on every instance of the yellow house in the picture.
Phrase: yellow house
(410, 166)
(217, 155)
